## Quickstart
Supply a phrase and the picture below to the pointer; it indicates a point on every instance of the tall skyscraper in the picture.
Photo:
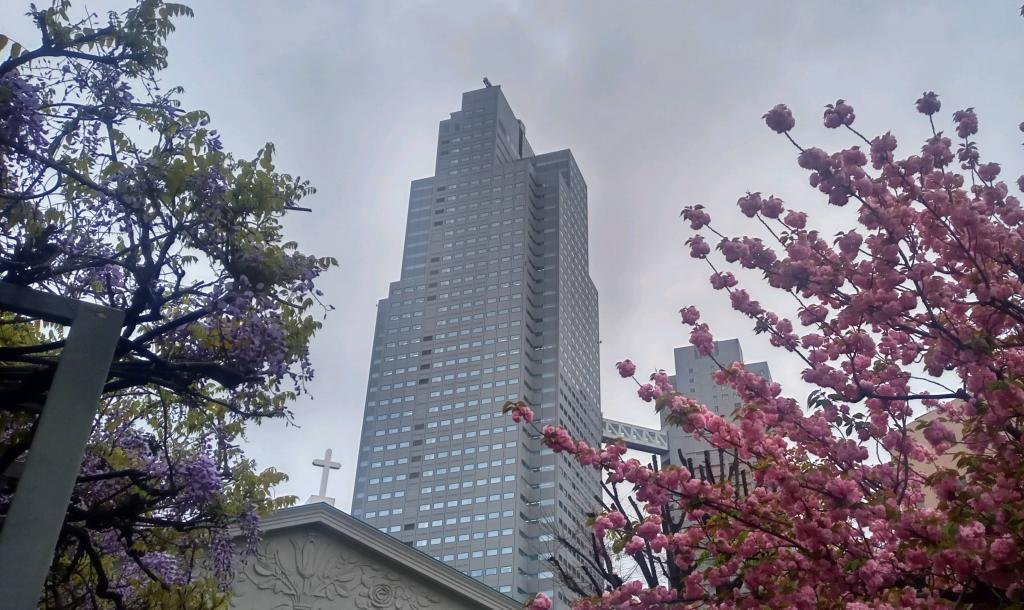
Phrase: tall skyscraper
(495, 303)
(695, 378)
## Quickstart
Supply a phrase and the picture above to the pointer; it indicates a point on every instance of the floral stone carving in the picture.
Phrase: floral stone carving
(312, 576)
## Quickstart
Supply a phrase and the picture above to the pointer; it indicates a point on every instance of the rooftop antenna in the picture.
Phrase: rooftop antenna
(487, 82)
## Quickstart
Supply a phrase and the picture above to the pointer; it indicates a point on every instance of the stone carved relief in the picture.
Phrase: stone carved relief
(312, 576)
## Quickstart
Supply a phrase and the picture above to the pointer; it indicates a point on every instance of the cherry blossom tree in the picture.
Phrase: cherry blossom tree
(115, 194)
(917, 308)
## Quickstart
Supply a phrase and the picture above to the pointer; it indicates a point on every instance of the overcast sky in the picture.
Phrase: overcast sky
(660, 103)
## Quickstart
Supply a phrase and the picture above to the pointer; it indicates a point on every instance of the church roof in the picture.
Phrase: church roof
(357, 534)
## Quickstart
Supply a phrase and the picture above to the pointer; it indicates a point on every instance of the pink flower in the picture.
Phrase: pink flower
(928, 103)
(601, 525)
(946, 488)
(635, 545)
(693, 590)
(844, 490)
(649, 528)
(722, 280)
(968, 156)
(698, 420)
(1003, 548)
(697, 216)
(938, 434)
(939, 150)
(814, 159)
(558, 439)
(772, 207)
(522, 413)
(659, 542)
(881, 150)
(698, 247)
(838, 114)
(750, 205)
(849, 243)
(540, 602)
(988, 171)
(700, 337)
(742, 302)
(813, 314)
(839, 196)
(966, 122)
(795, 220)
(626, 368)
(922, 275)
(972, 536)
(853, 157)
(690, 315)
(779, 119)
(646, 392)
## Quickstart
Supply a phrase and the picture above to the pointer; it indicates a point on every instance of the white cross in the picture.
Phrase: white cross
(327, 465)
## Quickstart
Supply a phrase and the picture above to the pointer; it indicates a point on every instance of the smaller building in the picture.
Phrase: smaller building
(694, 378)
(316, 557)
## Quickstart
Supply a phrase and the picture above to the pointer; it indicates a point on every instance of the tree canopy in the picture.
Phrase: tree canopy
(115, 194)
(900, 481)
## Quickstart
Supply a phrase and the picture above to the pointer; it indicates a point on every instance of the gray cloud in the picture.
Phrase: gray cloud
(660, 102)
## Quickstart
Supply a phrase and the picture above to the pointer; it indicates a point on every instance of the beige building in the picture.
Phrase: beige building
(944, 460)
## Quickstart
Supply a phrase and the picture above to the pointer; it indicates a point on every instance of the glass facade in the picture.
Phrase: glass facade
(495, 303)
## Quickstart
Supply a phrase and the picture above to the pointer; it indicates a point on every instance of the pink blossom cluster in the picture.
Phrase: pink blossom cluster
(697, 217)
(838, 114)
(520, 411)
(780, 119)
(658, 386)
(842, 498)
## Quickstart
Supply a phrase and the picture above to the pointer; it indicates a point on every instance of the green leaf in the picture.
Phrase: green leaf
(16, 50)
(3, 41)
(53, 215)
(176, 176)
